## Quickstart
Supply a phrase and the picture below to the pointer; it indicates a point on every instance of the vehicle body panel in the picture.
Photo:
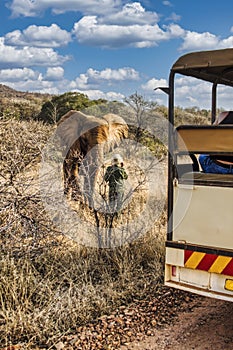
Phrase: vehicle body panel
(199, 245)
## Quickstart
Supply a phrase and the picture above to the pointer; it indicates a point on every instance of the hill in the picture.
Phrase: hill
(19, 104)
(7, 92)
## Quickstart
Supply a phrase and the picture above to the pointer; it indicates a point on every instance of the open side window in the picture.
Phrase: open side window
(190, 141)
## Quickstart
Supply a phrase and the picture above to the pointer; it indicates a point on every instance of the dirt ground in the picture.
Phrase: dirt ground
(207, 325)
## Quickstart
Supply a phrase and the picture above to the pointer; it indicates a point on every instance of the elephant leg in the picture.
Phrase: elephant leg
(74, 180)
(66, 174)
(71, 186)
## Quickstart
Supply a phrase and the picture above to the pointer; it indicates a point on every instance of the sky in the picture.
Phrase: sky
(110, 49)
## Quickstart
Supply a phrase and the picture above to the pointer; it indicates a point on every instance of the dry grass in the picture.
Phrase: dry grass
(49, 285)
(45, 297)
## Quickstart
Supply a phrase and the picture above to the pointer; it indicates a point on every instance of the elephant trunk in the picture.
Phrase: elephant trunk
(91, 163)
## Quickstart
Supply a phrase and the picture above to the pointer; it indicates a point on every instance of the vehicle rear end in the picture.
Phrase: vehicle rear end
(199, 245)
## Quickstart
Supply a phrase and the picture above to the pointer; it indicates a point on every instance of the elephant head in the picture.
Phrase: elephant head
(85, 138)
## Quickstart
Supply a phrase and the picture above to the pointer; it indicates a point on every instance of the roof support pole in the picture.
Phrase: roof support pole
(170, 155)
(214, 102)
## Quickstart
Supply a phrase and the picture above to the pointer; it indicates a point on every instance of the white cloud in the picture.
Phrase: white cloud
(226, 43)
(107, 74)
(26, 79)
(94, 77)
(174, 31)
(131, 14)
(98, 94)
(193, 92)
(35, 82)
(28, 56)
(131, 26)
(174, 17)
(109, 26)
(81, 82)
(39, 36)
(159, 96)
(54, 73)
(167, 3)
(18, 74)
(90, 31)
(38, 83)
(199, 41)
(33, 85)
(189, 92)
(153, 83)
(204, 41)
(36, 7)
(192, 100)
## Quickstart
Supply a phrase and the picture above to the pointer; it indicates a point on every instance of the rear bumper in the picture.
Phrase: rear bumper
(201, 273)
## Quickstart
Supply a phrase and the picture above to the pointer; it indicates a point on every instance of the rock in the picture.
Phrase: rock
(59, 346)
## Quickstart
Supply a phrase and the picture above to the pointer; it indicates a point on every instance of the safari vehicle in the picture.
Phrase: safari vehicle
(199, 245)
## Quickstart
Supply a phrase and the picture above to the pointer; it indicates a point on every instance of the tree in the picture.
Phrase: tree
(52, 110)
(139, 105)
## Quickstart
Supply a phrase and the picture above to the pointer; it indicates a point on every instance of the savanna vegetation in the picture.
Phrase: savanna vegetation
(50, 283)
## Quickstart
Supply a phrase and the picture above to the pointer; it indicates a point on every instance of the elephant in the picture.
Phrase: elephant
(85, 138)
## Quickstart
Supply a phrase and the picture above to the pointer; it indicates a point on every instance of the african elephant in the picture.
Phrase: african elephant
(85, 139)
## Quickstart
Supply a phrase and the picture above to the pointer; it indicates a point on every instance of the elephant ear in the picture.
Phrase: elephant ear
(117, 129)
(72, 125)
(76, 128)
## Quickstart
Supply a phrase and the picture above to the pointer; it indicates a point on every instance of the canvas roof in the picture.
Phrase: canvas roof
(213, 66)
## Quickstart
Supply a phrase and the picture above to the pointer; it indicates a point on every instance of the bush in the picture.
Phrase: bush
(49, 285)
(55, 108)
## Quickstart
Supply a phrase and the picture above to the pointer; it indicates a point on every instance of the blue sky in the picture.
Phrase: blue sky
(109, 48)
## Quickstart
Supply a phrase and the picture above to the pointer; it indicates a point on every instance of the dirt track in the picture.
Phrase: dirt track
(207, 325)
(171, 319)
